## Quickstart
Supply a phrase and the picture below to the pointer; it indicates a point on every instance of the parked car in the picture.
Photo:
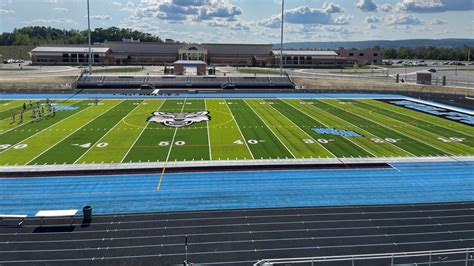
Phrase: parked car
(432, 70)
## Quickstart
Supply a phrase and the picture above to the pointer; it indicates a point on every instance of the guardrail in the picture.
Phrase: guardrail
(447, 256)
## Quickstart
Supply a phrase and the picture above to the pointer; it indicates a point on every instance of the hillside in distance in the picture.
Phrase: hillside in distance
(448, 43)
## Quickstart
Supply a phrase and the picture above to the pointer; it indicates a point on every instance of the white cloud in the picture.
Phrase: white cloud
(386, 7)
(180, 10)
(438, 22)
(434, 6)
(332, 8)
(402, 19)
(101, 17)
(305, 15)
(343, 20)
(371, 27)
(372, 19)
(61, 9)
(366, 5)
(54, 21)
(6, 12)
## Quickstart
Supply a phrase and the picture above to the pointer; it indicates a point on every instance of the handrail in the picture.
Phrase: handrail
(364, 257)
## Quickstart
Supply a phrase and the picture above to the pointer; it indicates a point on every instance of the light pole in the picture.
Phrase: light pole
(282, 27)
(89, 36)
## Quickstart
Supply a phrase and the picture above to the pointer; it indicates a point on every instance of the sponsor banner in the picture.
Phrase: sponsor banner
(435, 110)
(336, 132)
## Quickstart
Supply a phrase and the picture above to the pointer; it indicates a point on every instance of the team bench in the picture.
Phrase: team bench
(56, 214)
(19, 217)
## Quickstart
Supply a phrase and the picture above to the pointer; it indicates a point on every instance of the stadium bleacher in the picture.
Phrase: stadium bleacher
(184, 82)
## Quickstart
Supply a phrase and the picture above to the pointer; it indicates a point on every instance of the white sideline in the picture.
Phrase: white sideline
(275, 162)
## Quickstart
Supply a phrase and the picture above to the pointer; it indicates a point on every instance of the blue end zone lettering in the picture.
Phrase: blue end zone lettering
(437, 111)
(65, 108)
(336, 132)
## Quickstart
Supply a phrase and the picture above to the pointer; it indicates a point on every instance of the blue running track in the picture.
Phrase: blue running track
(404, 184)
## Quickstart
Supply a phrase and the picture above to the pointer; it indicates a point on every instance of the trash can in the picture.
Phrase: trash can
(87, 212)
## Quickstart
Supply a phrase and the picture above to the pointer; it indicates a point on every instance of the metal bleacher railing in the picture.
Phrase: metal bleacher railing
(433, 257)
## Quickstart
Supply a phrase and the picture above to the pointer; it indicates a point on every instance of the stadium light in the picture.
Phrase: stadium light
(89, 35)
(281, 43)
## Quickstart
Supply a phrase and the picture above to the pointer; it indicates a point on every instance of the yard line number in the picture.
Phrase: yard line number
(451, 139)
(17, 147)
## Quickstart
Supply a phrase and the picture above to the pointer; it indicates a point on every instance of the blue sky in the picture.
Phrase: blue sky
(250, 21)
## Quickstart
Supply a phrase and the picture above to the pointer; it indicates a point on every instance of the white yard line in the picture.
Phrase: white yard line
(315, 141)
(139, 135)
(269, 128)
(110, 130)
(174, 135)
(235, 121)
(208, 135)
(58, 142)
(45, 129)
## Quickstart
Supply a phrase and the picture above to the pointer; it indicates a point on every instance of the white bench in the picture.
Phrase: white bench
(20, 217)
(56, 214)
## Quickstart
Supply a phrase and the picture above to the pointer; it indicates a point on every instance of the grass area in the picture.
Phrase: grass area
(258, 71)
(119, 70)
(15, 52)
(118, 131)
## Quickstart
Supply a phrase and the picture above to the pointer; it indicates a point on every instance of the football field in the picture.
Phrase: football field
(166, 130)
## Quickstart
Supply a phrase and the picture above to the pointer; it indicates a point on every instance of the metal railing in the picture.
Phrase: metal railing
(448, 256)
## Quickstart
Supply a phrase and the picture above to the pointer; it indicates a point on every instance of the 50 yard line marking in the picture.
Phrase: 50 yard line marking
(208, 136)
(169, 152)
(139, 135)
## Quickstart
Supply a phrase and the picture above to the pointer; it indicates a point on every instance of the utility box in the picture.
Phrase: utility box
(424, 77)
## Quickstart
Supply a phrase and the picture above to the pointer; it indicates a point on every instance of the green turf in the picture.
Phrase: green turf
(296, 140)
(70, 149)
(446, 128)
(44, 140)
(117, 131)
(337, 145)
(261, 140)
(154, 142)
(26, 129)
(113, 146)
(385, 149)
(226, 138)
(418, 130)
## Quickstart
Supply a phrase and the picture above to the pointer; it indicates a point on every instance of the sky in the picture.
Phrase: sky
(253, 21)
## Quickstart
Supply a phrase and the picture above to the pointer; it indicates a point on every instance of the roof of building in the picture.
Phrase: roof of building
(224, 48)
(305, 53)
(69, 49)
(144, 47)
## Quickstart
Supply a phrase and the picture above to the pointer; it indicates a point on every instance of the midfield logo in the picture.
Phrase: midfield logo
(178, 120)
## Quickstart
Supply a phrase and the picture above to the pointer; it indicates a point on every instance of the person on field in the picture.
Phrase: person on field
(24, 107)
(14, 117)
(21, 116)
